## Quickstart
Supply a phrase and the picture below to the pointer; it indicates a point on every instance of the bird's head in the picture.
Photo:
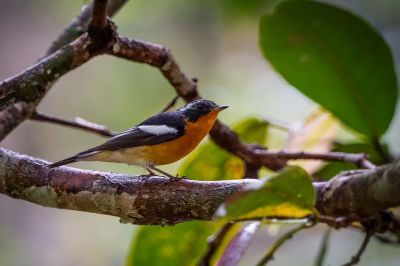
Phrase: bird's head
(200, 108)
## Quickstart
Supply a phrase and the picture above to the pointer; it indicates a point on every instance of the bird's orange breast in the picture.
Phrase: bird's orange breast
(174, 150)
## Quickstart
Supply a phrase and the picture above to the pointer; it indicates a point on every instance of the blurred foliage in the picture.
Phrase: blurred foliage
(332, 169)
(210, 162)
(336, 59)
(182, 244)
(233, 231)
(244, 8)
(290, 194)
(307, 137)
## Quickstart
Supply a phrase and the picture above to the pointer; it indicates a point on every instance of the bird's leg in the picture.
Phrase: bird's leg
(171, 177)
(148, 170)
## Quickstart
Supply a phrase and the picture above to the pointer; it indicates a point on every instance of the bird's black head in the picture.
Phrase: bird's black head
(199, 108)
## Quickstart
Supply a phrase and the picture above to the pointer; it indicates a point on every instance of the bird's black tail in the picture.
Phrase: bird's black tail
(64, 162)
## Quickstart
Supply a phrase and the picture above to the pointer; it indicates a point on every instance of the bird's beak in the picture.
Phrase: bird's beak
(222, 107)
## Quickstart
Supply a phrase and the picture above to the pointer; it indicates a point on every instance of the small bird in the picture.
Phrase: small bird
(161, 139)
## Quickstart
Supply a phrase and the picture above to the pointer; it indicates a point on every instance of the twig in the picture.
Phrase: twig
(355, 259)
(238, 245)
(99, 14)
(170, 104)
(323, 248)
(214, 241)
(79, 25)
(160, 57)
(277, 244)
(77, 123)
(359, 159)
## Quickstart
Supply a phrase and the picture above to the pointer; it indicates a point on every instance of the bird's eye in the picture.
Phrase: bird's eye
(200, 107)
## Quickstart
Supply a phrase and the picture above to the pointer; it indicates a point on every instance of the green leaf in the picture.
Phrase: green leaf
(290, 194)
(335, 58)
(182, 244)
(210, 162)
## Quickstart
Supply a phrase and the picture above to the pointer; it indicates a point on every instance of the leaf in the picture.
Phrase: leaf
(210, 162)
(182, 244)
(316, 134)
(335, 58)
(290, 194)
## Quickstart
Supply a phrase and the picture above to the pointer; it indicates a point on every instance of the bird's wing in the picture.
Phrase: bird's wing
(161, 128)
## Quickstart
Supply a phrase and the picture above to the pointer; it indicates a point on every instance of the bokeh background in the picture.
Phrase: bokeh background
(214, 41)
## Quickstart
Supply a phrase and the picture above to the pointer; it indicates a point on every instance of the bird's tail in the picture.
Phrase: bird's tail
(79, 157)
(64, 162)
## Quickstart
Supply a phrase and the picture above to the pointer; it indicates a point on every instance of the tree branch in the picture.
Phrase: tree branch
(156, 200)
(136, 199)
(360, 194)
(359, 159)
(20, 94)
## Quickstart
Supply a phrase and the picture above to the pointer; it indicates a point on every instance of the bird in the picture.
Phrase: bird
(161, 139)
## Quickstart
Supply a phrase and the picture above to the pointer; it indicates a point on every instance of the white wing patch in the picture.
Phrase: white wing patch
(158, 130)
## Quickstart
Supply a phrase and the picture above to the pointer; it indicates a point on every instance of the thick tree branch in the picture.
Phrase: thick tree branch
(135, 199)
(156, 200)
(360, 193)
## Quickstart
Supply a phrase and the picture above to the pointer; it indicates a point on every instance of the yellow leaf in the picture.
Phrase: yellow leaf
(316, 134)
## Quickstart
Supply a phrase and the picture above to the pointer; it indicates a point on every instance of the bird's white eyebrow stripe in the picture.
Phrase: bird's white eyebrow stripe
(158, 130)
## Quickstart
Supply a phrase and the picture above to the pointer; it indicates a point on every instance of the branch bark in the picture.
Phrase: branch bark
(156, 200)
